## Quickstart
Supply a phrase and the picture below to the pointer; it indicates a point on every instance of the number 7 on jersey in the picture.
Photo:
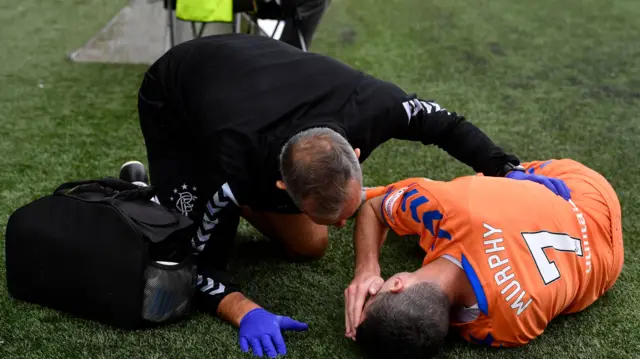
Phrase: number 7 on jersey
(539, 241)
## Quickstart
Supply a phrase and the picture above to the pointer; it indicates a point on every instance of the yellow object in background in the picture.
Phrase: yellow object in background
(205, 10)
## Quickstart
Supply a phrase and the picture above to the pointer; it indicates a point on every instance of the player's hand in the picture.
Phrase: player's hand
(261, 331)
(556, 185)
(363, 284)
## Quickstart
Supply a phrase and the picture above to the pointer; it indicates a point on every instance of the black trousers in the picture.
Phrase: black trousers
(309, 12)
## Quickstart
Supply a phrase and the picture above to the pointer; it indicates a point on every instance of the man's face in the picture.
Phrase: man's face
(349, 208)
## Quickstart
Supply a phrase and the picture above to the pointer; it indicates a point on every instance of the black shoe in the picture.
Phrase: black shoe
(134, 172)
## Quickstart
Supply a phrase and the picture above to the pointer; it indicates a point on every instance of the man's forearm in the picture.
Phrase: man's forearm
(368, 238)
(234, 307)
(468, 144)
(433, 125)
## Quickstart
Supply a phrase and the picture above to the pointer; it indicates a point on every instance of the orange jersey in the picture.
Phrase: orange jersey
(528, 254)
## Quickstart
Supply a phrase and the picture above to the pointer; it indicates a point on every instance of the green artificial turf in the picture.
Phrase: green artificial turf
(545, 79)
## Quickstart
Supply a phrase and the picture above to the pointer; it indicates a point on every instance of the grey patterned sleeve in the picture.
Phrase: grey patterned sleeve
(212, 244)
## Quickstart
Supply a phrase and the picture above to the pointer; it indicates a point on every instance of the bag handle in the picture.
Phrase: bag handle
(110, 186)
(109, 182)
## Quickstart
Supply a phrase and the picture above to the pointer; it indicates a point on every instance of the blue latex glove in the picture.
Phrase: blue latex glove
(556, 186)
(261, 330)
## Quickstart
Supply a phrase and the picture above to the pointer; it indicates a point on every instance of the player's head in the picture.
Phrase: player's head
(321, 173)
(408, 318)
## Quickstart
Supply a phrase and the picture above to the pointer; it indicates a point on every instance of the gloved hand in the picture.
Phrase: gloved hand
(556, 186)
(261, 330)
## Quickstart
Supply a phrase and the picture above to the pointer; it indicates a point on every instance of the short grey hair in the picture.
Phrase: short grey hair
(317, 165)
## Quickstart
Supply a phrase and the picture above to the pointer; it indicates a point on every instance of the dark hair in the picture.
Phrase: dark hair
(410, 324)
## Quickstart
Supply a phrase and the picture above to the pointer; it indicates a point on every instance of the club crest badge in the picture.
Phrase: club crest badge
(184, 198)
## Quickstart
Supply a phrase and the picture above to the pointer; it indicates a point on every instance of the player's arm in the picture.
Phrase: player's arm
(372, 225)
(371, 231)
(369, 235)
(396, 210)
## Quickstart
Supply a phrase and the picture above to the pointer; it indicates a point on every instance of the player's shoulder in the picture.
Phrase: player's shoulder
(411, 182)
(404, 188)
(415, 185)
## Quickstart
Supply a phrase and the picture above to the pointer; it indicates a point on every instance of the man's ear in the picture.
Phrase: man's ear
(357, 151)
(398, 285)
(281, 185)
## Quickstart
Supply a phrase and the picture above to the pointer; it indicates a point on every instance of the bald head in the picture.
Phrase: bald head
(321, 172)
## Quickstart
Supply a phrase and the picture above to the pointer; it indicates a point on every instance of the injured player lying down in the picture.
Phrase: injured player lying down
(503, 258)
